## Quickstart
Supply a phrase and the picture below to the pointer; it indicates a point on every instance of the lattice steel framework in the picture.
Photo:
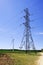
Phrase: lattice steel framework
(27, 39)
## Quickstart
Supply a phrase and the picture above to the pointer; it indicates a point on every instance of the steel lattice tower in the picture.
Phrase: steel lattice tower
(28, 42)
(13, 43)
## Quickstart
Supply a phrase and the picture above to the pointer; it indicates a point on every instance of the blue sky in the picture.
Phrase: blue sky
(11, 16)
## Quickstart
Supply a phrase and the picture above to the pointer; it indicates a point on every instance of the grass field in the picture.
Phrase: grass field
(21, 58)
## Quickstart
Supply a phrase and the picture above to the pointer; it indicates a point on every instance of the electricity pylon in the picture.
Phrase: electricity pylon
(13, 43)
(27, 39)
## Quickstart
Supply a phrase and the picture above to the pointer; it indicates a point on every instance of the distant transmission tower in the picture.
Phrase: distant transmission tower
(13, 43)
(28, 41)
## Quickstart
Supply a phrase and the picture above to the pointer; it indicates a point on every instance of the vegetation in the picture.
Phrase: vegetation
(23, 59)
(20, 57)
(18, 51)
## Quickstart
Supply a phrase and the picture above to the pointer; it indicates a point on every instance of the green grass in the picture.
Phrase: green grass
(23, 59)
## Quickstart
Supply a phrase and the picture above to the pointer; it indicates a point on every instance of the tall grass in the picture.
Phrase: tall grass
(23, 59)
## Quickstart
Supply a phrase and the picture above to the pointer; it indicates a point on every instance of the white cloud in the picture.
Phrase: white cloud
(39, 33)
